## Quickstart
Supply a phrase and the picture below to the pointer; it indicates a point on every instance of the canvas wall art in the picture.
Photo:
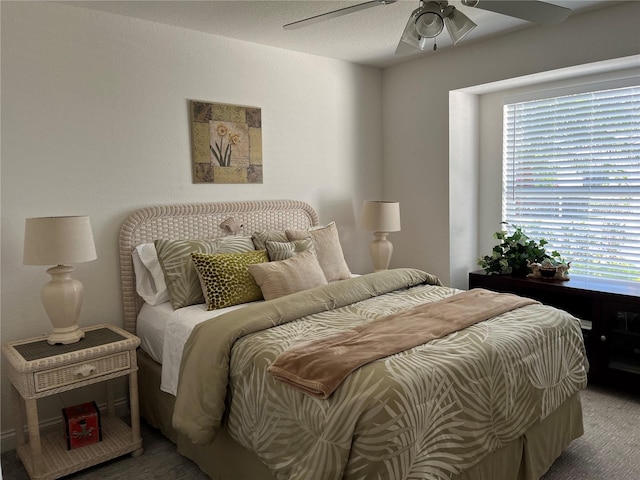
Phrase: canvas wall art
(227, 143)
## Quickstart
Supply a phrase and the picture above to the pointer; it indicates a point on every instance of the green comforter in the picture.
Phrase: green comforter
(428, 412)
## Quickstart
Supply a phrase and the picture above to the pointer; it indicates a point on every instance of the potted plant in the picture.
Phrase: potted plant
(515, 253)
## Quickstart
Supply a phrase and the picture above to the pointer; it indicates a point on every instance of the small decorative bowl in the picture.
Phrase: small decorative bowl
(548, 272)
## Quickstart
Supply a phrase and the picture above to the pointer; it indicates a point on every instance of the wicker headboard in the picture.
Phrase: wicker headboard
(199, 221)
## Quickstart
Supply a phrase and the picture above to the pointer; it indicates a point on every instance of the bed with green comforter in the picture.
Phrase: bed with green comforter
(495, 400)
(460, 406)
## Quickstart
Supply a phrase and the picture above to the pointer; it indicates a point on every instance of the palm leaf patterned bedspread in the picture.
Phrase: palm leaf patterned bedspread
(429, 412)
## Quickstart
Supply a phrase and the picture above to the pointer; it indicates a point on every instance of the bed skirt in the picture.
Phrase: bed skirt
(526, 458)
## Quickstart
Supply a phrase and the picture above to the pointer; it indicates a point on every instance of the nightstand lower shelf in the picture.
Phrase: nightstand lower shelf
(58, 461)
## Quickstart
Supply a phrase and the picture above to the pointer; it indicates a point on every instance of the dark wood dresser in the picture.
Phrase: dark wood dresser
(609, 311)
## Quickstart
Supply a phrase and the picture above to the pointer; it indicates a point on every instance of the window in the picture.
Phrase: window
(571, 175)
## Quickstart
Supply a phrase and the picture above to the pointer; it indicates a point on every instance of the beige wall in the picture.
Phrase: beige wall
(437, 208)
(95, 121)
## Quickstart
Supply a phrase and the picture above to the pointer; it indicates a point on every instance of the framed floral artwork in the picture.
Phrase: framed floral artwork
(227, 143)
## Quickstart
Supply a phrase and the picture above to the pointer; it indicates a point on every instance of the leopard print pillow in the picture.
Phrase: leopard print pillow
(225, 279)
(181, 278)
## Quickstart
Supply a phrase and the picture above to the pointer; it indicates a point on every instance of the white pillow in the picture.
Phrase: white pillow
(150, 283)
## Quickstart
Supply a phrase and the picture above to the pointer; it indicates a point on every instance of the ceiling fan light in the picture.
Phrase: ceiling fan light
(422, 43)
(458, 25)
(409, 35)
(429, 22)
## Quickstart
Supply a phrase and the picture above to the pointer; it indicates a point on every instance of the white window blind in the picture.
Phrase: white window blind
(571, 175)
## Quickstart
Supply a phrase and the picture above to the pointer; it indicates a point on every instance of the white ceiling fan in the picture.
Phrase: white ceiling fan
(431, 17)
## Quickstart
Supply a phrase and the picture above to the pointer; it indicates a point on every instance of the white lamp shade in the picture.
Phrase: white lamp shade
(58, 241)
(380, 216)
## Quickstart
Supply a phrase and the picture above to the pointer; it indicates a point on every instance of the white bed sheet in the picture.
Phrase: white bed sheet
(152, 322)
(164, 331)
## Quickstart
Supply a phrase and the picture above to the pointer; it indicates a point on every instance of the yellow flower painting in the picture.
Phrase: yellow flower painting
(227, 143)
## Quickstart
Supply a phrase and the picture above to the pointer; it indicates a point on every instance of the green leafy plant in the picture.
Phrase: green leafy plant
(515, 252)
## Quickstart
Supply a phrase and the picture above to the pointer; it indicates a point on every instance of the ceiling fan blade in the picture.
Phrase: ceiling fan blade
(530, 10)
(404, 48)
(336, 13)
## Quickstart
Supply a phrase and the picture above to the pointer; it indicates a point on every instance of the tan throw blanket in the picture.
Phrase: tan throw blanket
(318, 368)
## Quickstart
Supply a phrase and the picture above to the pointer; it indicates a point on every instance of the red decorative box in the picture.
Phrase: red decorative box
(82, 425)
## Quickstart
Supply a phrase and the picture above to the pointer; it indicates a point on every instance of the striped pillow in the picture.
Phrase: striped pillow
(180, 275)
(261, 238)
(283, 250)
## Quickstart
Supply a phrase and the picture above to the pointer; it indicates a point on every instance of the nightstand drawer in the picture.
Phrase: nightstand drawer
(78, 372)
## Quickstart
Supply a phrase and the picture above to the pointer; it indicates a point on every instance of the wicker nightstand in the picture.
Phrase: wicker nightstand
(38, 369)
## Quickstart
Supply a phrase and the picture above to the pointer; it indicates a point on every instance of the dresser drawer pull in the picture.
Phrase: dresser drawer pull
(85, 371)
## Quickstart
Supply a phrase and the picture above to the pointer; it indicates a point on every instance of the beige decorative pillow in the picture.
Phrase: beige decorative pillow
(283, 250)
(327, 245)
(225, 279)
(183, 285)
(283, 277)
(261, 238)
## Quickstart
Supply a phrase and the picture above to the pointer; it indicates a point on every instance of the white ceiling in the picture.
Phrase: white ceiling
(368, 37)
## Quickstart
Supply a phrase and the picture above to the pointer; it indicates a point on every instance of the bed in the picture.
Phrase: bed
(456, 407)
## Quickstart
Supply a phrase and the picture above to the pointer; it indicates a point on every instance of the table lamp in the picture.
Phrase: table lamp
(60, 241)
(381, 217)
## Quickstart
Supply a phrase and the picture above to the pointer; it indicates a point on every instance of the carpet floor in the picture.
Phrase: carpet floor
(608, 450)
(610, 446)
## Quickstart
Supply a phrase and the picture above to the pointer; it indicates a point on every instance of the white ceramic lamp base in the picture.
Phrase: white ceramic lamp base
(62, 299)
(381, 250)
(65, 335)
